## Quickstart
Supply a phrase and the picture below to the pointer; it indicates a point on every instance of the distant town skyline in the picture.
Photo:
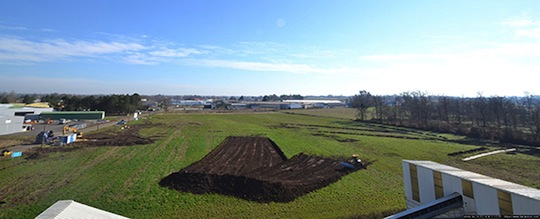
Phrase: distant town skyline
(252, 48)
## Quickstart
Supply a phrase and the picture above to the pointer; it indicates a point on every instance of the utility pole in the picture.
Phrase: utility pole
(43, 135)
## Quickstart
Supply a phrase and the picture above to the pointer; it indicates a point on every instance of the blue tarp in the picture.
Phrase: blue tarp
(16, 154)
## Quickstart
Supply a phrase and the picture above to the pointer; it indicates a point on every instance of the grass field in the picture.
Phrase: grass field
(124, 179)
(340, 112)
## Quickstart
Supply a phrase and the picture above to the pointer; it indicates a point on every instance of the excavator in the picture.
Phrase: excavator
(74, 130)
(6, 153)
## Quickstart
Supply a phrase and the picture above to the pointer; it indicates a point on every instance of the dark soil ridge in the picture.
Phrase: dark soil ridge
(255, 169)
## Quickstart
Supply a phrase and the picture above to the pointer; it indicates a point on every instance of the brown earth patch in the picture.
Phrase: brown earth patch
(255, 168)
(127, 137)
(38, 152)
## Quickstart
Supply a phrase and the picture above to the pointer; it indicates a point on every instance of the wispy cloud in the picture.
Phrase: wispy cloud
(495, 69)
(518, 22)
(4, 27)
(20, 50)
(180, 52)
(403, 57)
(266, 66)
(138, 58)
(20, 28)
(523, 27)
(250, 56)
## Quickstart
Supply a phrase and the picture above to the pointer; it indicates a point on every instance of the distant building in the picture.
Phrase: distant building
(317, 103)
(12, 117)
(190, 103)
(272, 105)
(80, 115)
(238, 106)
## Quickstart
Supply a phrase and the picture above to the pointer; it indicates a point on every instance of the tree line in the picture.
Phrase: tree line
(274, 97)
(508, 119)
(111, 104)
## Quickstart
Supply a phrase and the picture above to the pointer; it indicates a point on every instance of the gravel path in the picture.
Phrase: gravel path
(488, 153)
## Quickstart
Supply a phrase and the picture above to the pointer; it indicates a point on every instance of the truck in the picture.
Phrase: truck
(45, 137)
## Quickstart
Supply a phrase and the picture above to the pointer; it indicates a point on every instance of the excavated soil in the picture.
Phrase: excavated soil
(127, 137)
(255, 168)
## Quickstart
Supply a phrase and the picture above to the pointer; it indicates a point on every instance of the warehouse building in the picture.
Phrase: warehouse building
(451, 192)
(12, 117)
(10, 124)
(317, 103)
(80, 115)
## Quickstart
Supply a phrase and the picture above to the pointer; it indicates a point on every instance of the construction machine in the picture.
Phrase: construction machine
(45, 137)
(72, 129)
(6, 153)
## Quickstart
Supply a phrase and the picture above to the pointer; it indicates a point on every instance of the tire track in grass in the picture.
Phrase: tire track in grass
(179, 153)
(149, 161)
(90, 171)
(52, 178)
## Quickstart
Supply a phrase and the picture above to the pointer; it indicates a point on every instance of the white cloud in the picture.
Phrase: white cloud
(181, 52)
(4, 27)
(258, 66)
(523, 27)
(500, 69)
(19, 50)
(140, 59)
(16, 50)
(403, 57)
(20, 28)
(531, 32)
(519, 22)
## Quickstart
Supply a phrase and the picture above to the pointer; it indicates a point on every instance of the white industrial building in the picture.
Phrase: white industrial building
(10, 124)
(449, 192)
(317, 103)
(74, 210)
(12, 117)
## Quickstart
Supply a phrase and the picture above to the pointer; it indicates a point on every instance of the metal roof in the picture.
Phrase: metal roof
(82, 115)
(479, 178)
(313, 101)
(74, 210)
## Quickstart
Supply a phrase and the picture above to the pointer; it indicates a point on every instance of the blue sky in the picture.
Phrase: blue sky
(457, 47)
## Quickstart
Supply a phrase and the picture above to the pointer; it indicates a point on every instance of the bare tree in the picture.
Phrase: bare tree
(362, 102)
(378, 102)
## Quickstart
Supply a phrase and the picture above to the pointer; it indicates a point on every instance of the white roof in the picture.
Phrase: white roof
(312, 101)
(479, 178)
(73, 210)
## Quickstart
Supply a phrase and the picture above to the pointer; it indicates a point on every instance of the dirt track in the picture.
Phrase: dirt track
(255, 168)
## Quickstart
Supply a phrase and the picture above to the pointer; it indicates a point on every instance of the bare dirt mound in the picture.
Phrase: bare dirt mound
(254, 168)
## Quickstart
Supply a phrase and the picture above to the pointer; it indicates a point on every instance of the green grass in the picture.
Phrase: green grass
(124, 180)
(340, 112)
